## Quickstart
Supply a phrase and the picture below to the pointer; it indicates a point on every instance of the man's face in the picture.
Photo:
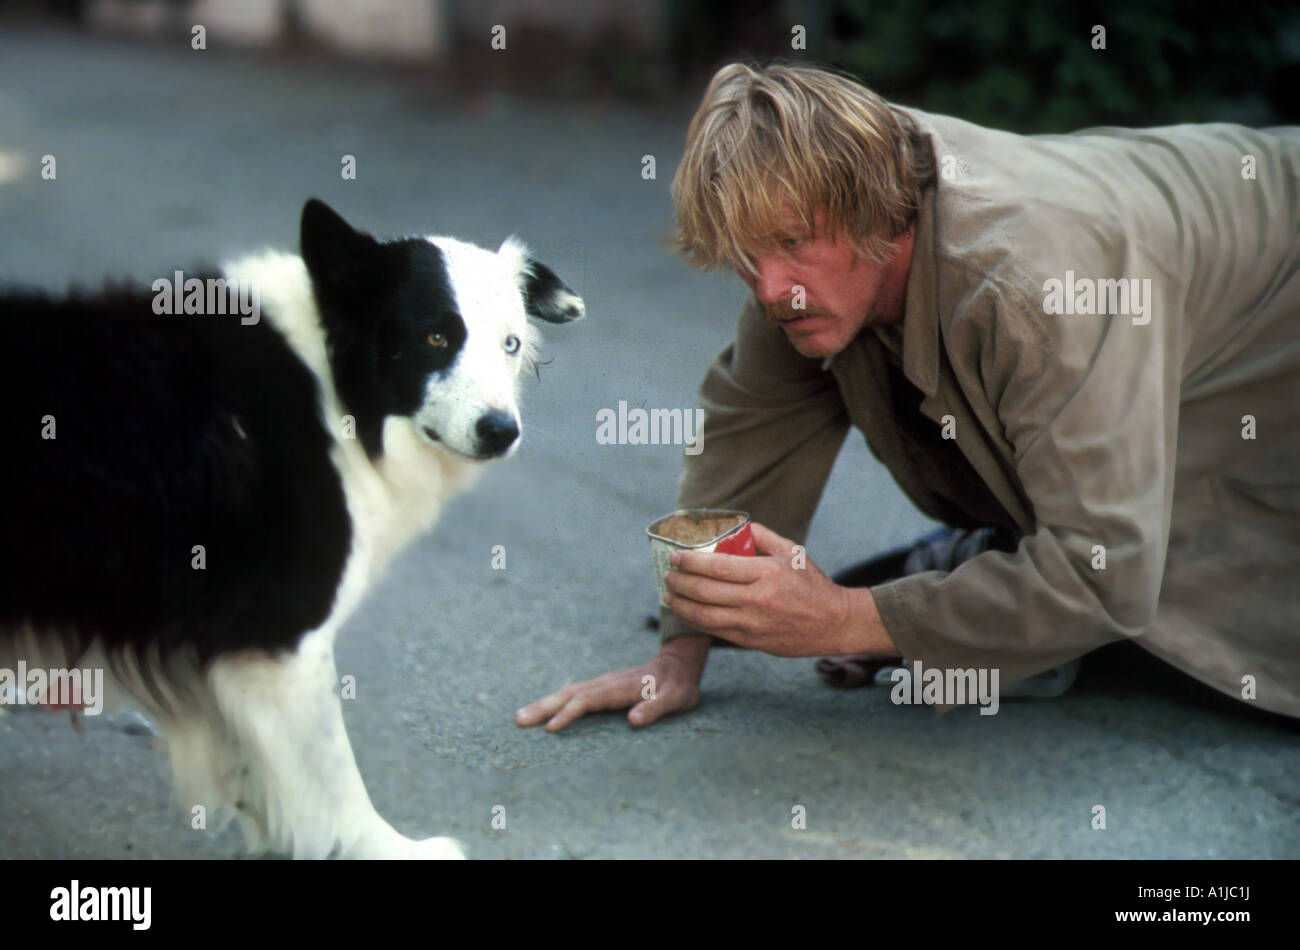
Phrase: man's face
(842, 293)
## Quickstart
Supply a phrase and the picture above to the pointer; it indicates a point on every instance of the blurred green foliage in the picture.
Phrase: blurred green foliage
(1032, 67)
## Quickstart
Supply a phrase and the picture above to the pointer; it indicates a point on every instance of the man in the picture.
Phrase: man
(1088, 344)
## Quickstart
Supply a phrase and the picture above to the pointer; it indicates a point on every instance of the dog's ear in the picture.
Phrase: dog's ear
(546, 297)
(331, 248)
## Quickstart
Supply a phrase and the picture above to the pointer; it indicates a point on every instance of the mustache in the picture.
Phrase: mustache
(783, 310)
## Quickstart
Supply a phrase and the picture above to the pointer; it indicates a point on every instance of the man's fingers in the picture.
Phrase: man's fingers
(611, 691)
(621, 689)
(575, 708)
(705, 590)
(545, 707)
(706, 617)
(724, 567)
(652, 710)
(770, 543)
(734, 635)
(648, 711)
(548, 706)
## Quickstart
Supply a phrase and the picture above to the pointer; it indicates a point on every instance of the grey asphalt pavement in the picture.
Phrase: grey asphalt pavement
(170, 157)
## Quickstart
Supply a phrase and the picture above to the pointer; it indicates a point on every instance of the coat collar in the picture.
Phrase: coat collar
(923, 365)
(921, 343)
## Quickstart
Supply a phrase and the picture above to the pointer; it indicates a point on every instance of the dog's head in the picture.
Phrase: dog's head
(432, 330)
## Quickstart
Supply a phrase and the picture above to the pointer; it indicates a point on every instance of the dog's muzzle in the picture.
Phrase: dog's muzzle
(496, 432)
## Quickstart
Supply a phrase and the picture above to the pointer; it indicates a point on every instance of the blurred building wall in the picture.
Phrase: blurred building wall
(412, 30)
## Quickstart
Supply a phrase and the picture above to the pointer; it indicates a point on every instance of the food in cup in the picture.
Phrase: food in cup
(711, 530)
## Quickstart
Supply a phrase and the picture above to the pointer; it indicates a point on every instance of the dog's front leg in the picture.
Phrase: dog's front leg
(286, 716)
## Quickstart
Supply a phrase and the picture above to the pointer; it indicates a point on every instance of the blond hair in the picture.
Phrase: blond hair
(771, 141)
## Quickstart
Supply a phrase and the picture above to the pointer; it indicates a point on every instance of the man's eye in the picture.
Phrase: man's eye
(791, 243)
(437, 340)
(512, 344)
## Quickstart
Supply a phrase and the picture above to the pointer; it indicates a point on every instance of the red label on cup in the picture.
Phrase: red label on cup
(742, 543)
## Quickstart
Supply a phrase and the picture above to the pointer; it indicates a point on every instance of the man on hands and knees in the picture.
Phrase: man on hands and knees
(1053, 350)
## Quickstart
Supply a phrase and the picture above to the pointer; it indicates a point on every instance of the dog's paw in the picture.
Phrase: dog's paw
(430, 849)
(441, 849)
(387, 844)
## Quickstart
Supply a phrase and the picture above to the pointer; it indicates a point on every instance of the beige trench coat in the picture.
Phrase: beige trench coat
(1161, 433)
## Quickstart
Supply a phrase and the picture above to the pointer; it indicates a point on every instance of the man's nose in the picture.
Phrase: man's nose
(772, 283)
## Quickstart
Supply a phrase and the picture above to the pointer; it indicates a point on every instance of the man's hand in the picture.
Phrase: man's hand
(781, 604)
(669, 683)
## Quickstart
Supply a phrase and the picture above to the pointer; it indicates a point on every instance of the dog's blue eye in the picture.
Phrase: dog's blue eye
(512, 344)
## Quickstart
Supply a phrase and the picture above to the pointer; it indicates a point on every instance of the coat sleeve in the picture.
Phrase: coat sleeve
(1089, 406)
(774, 422)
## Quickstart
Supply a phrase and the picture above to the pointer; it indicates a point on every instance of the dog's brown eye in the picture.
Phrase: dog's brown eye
(437, 339)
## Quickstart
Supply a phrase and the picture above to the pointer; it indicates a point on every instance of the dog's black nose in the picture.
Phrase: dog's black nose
(496, 432)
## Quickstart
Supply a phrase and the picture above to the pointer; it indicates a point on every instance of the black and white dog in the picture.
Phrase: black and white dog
(198, 502)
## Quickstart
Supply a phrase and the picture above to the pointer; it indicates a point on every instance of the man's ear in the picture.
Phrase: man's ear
(332, 249)
(546, 297)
